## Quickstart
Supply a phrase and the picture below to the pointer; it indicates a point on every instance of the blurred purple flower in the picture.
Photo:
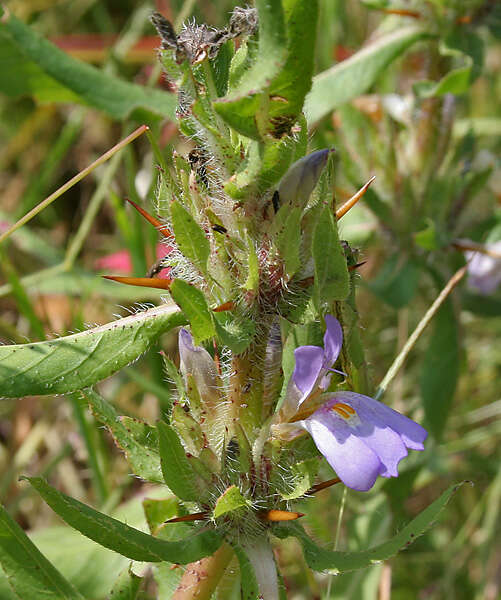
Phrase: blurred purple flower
(484, 271)
(360, 437)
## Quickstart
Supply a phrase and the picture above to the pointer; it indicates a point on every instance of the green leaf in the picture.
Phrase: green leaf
(397, 281)
(440, 370)
(332, 281)
(29, 573)
(190, 237)
(194, 305)
(465, 46)
(321, 559)
(295, 78)
(122, 538)
(126, 586)
(485, 306)
(77, 361)
(244, 105)
(265, 164)
(189, 430)
(157, 511)
(303, 478)
(355, 75)
(33, 65)
(138, 440)
(176, 468)
(229, 501)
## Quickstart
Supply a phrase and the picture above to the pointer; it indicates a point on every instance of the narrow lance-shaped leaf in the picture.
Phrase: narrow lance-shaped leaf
(29, 573)
(354, 76)
(289, 88)
(190, 238)
(138, 440)
(77, 361)
(53, 75)
(321, 559)
(122, 538)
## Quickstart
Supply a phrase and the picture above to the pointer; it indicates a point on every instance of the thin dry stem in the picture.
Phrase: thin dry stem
(416, 334)
(65, 187)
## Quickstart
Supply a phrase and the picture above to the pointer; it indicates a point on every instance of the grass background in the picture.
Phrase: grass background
(42, 145)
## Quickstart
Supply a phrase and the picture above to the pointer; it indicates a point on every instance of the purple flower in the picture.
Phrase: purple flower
(484, 271)
(360, 437)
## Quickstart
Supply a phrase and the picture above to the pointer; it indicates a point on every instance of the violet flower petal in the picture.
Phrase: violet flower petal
(354, 462)
(384, 442)
(333, 340)
(412, 434)
(309, 364)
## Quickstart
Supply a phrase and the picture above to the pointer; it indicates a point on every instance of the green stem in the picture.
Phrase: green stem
(246, 386)
(261, 557)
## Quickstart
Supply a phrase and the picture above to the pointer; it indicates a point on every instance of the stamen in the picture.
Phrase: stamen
(151, 282)
(344, 410)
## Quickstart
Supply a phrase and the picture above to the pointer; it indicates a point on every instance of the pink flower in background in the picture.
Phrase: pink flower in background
(121, 261)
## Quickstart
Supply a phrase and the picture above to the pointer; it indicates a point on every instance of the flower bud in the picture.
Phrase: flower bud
(298, 183)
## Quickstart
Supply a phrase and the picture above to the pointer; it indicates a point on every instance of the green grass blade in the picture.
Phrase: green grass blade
(29, 573)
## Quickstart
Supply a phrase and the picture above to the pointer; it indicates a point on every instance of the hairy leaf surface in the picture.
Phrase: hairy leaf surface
(77, 361)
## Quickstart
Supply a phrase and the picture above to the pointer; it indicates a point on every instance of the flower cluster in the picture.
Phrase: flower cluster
(360, 437)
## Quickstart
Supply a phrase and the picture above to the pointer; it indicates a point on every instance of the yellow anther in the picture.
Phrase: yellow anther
(344, 410)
